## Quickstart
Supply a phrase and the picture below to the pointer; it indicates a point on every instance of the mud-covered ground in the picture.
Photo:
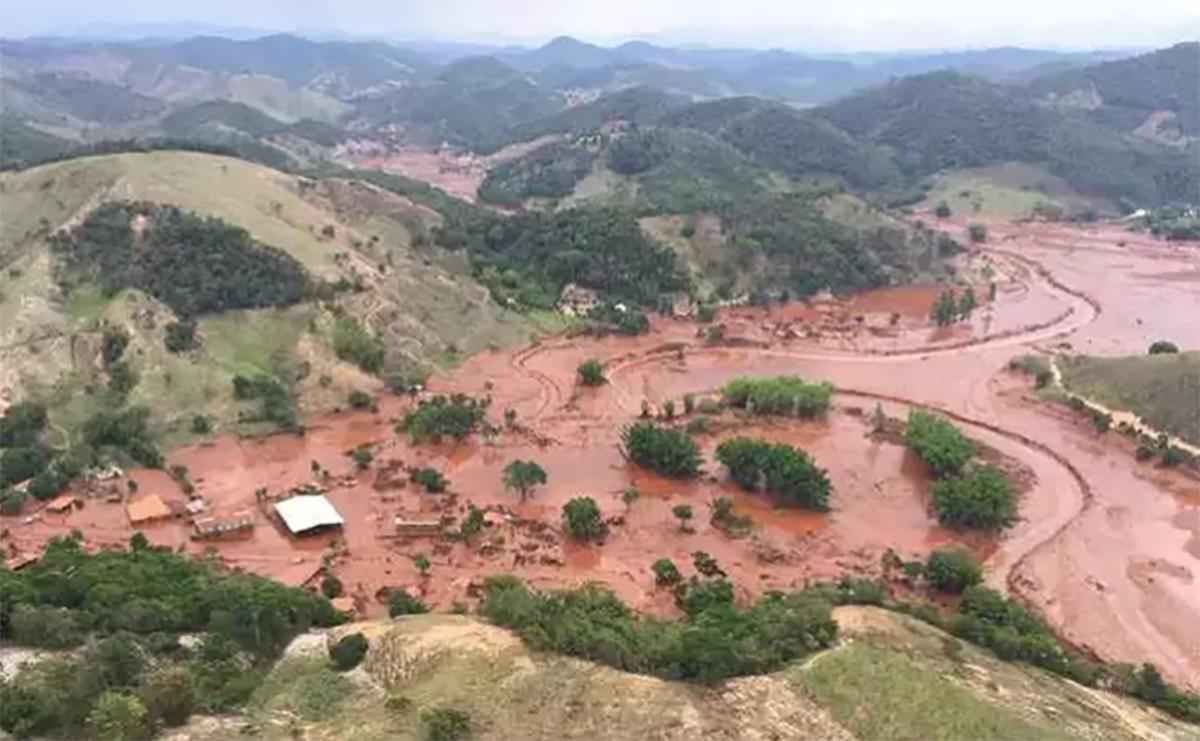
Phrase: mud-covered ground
(1108, 549)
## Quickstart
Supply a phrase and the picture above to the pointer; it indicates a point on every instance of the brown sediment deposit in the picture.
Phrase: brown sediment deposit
(1107, 549)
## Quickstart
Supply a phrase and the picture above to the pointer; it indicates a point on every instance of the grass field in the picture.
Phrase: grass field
(1008, 191)
(1164, 390)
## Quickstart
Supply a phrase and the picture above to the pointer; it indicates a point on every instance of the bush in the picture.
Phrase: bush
(938, 442)
(789, 475)
(353, 343)
(401, 602)
(362, 457)
(583, 521)
(446, 724)
(665, 451)
(430, 478)
(983, 499)
(783, 395)
(201, 425)
(11, 502)
(943, 210)
(698, 426)
(456, 416)
(1162, 347)
(169, 695)
(666, 574)
(591, 373)
(952, 570)
(331, 587)
(706, 313)
(348, 652)
(180, 336)
(23, 424)
(119, 717)
(360, 400)
(978, 233)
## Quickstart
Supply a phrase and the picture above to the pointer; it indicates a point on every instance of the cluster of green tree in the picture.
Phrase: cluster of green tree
(1174, 223)
(194, 265)
(607, 315)
(21, 143)
(695, 172)
(455, 416)
(638, 150)
(354, 343)
(715, 642)
(782, 395)
(550, 171)
(805, 252)
(128, 609)
(967, 496)
(89, 99)
(665, 451)
(638, 106)
(183, 122)
(591, 373)
(950, 307)
(530, 257)
(243, 148)
(277, 401)
(582, 519)
(790, 476)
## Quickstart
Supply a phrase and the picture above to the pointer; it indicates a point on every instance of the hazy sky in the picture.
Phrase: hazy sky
(832, 25)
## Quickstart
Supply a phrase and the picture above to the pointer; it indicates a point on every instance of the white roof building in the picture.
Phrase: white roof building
(308, 512)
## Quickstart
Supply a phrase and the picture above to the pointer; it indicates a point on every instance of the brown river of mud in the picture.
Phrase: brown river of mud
(1107, 549)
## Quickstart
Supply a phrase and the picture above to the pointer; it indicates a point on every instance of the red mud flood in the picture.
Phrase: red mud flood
(1108, 550)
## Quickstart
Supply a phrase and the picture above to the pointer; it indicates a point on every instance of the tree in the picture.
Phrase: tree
(360, 400)
(421, 561)
(363, 457)
(967, 304)
(666, 574)
(180, 336)
(201, 425)
(117, 716)
(473, 524)
(591, 373)
(982, 499)
(939, 443)
(943, 210)
(510, 418)
(331, 586)
(455, 416)
(665, 451)
(523, 476)
(789, 475)
(945, 309)
(401, 602)
(169, 695)
(952, 570)
(629, 496)
(348, 652)
(685, 514)
(706, 565)
(1162, 347)
(978, 233)
(430, 478)
(583, 520)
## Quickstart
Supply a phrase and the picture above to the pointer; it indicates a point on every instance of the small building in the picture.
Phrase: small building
(63, 504)
(147, 509)
(209, 528)
(308, 513)
(418, 528)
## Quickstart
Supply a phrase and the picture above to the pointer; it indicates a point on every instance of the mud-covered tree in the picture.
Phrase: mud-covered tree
(582, 519)
(665, 451)
(952, 570)
(523, 476)
(683, 513)
(591, 373)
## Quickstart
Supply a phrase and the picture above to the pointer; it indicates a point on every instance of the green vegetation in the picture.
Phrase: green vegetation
(401, 603)
(430, 478)
(790, 476)
(523, 477)
(550, 171)
(939, 443)
(712, 644)
(952, 570)
(943, 210)
(446, 724)
(684, 513)
(978, 233)
(194, 265)
(982, 499)
(348, 652)
(1173, 223)
(355, 344)
(668, 452)
(1162, 389)
(360, 400)
(783, 395)
(1036, 366)
(950, 308)
(666, 574)
(583, 520)
(630, 321)
(180, 337)
(591, 373)
(456, 416)
(1162, 347)
(130, 606)
(277, 402)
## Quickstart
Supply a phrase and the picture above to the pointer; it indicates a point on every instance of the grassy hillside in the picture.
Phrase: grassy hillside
(890, 678)
(1010, 191)
(420, 302)
(1164, 390)
(22, 143)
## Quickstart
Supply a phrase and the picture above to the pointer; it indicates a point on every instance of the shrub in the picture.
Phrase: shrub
(939, 443)
(978, 233)
(1175, 456)
(583, 521)
(180, 336)
(353, 343)
(1162, 347)
(430, 478)
(362, 457)
(666, 574)
(706, 313)
(783, 395)
(11, 502)
(446, 724)
(1145, 452)
(360, 400)
(456, 416)
(113, 344)
(689, 403)
(169, 695)
(472, 524)
(23, 424)
(348, 652)
(331, 587)
(119, 717)
(201, 425)
(401, 602)
(698, 426)
(665, 451)
(706, 565)
(591, 373)
(952, 570)
(422, 563)
(523, 476)
(943, 210)
(983, 499)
